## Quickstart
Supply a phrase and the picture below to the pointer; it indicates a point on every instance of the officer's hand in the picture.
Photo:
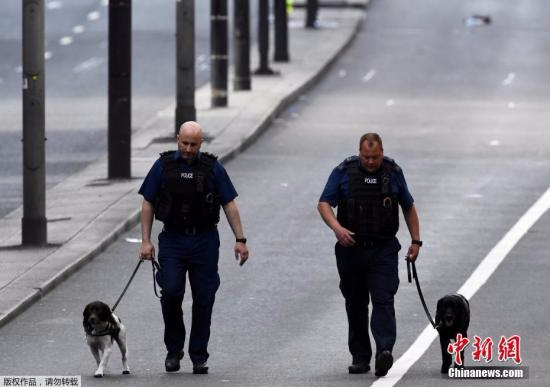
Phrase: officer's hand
(147, 251)
(344, 236)
(241, 251)
(413, 251)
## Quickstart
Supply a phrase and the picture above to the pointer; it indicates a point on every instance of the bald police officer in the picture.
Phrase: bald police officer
(185, 190)
(367, 189)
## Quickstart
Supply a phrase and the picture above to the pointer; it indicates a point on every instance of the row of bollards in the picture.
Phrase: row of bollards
(34, 222)
(219, 45)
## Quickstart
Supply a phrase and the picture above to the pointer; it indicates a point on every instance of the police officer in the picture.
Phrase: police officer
(367, 190)
(185, 190)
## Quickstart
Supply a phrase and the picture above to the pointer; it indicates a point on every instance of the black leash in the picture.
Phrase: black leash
(415, 275)
(156, 267)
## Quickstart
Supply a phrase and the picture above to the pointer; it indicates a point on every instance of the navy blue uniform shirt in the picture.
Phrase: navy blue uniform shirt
(337, 187)
(218, 179)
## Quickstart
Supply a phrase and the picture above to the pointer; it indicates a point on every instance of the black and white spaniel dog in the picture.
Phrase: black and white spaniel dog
(102, 328)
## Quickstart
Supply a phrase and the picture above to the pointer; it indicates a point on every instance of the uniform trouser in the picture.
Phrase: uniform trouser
(368, 271)
(196, 256)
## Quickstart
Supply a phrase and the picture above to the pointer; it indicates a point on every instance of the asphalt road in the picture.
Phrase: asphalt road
(473, 144)
(76, 80)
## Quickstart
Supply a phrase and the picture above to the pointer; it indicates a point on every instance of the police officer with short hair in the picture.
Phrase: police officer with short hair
(367, 189)
(185, 190)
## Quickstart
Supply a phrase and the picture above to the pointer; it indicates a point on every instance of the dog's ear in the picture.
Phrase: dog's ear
(464, 313)
(86, 312)
(439, 311)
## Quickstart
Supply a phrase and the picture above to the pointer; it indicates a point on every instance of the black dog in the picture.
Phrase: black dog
(452, 317)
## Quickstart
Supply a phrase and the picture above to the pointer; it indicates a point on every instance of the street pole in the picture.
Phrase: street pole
(263, 38)
(218, 52)
(185, 63)
(311, 13)
(241, 10)
(281, 31)
(33, 223)
(120, 89)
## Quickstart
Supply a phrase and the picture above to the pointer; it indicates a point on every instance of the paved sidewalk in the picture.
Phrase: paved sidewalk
(86, 212)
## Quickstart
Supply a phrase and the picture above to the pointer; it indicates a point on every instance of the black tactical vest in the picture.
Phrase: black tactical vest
(185, 200)
(371, 211)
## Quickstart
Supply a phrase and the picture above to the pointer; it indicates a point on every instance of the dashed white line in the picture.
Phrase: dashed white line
(390, 102)
(476, 280)
(474, 196)
(54, 5)
(48, 55)
(511, 105)
(494, 143)
(66, 40)
(88, 64)
(94, 15)
(167, 112)
(78, 29)
(368, 76)
(509, 79)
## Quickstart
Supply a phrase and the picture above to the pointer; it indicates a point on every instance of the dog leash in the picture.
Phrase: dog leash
(156, 268)
(415, 275)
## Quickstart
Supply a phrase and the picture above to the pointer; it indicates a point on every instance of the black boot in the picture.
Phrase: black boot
(172, 362)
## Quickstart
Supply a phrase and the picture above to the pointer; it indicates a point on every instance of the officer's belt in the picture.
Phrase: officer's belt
(366, 242)
(189, 230)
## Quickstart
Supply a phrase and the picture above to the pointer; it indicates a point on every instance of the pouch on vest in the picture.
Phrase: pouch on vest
(371, 211)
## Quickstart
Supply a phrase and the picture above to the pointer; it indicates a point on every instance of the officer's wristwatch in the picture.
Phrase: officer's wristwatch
(416, 242)
(241, 240)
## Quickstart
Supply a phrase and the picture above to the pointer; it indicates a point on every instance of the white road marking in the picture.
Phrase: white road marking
(474, 196)
(511, 105)
(476, 280)
(104, 3)
(494, 143)
(94, 15)
(78, 29)
(368, 76)
(88, 64)
(133, 240)
(509, 79)
(48, 55)
(167, 112)
(54, 5)
(66, 40)
(390, 102)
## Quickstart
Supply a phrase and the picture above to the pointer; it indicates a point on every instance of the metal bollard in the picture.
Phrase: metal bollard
(218, 52)
(33, 223)
(185, 63)
(241, 10)
(281, 31)
(120, 89)
(312, 7)
(263, 38)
